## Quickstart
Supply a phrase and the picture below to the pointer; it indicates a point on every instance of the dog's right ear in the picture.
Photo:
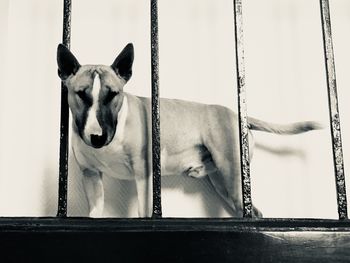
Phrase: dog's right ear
(67, 63)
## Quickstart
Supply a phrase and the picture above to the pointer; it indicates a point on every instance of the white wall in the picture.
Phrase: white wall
(291, 176)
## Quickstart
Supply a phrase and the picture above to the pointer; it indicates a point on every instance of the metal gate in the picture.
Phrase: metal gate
(242, 113)
(169, 240)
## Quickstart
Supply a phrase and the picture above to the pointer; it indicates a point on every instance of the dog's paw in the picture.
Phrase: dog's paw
(257, 213)
(95, 213)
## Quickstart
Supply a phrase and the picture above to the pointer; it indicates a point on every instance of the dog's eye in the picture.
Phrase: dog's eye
(110, 96)
(84, 97)
(81, 94)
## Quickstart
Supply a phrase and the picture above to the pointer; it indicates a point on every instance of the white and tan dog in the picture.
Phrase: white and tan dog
(112, 134)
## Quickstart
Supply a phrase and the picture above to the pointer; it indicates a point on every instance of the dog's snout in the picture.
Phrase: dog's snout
(98, 141)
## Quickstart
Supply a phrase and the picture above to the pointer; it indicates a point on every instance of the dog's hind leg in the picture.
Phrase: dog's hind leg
(221, 138)
(217, 181)
(227, 179)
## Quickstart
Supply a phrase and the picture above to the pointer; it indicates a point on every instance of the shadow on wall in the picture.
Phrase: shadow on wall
(50, 191)
(205, 200)
(282, 150)
(182, 196)
(177, 192)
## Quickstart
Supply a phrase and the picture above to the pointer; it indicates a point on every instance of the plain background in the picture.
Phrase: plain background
(292, 176)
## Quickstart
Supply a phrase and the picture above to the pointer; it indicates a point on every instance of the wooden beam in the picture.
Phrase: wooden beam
(174, 240)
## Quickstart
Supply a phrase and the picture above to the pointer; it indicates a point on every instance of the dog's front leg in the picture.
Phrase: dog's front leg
(144, 195)
(93, 186)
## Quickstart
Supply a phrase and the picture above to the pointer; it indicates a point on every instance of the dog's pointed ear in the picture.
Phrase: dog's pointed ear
(66, 61)
(122, 65)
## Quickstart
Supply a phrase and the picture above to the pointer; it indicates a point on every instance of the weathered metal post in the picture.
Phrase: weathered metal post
(242, 110)
(156, 165)
(64, 127)
(333, 110)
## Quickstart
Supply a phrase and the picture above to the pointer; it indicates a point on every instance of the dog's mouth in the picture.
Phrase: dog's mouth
(98, 141)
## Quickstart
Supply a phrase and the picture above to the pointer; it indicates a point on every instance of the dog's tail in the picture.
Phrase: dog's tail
(288, 129)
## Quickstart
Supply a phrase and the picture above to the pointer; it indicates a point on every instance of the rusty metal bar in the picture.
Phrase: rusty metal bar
(333, 110)
(156, 164)
(64, 127)
(242, 110)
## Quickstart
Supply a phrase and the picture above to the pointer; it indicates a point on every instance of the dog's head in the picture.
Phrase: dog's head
(95, 94)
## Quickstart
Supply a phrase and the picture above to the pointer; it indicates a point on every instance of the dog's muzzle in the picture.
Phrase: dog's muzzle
(97, 141)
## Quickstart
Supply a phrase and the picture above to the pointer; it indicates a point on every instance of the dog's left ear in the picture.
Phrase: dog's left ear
(67, 63)
(122, 65)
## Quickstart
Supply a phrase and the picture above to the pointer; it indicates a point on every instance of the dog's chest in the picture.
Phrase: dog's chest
(111, 160)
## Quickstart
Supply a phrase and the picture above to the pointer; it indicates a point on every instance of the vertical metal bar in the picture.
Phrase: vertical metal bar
(157, 206)
(64, 131)
(242, 110)
(333, 110)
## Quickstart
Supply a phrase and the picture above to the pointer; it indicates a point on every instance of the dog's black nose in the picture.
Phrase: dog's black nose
(98, 141)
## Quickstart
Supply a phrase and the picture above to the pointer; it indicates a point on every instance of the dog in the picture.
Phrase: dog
(112, 134)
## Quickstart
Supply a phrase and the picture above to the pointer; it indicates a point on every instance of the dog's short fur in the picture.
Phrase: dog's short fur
(112, 134)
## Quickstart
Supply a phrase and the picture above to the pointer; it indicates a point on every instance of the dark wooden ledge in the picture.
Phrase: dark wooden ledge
(173, 240)
(83, 224)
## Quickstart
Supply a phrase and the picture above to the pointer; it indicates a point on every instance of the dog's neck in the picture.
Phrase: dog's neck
(122, 116)
(109, 158)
